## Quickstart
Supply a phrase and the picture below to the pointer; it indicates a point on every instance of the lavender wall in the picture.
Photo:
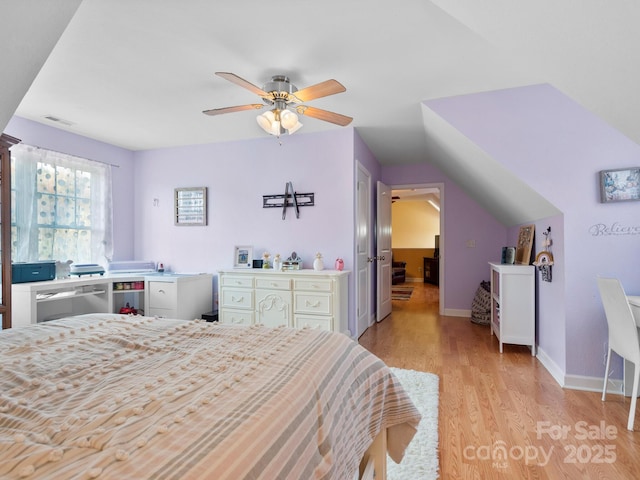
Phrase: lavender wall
(237, 175)
(124, 182)
(464, 267)
(558, 148)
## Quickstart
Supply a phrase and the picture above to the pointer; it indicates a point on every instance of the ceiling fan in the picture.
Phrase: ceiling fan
(286, 100)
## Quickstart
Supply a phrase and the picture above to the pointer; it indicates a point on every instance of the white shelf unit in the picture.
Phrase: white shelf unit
(294, 298)
(36, 302)
(513, 314)
(128, 290)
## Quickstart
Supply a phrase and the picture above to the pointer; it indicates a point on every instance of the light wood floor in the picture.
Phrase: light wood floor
(509, 403)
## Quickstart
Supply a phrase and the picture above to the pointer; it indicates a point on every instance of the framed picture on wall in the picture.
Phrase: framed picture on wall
(620, 185)
(525, 243)
(243, 257)
(190, 206)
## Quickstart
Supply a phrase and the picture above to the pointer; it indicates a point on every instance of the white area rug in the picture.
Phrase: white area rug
(420, 461)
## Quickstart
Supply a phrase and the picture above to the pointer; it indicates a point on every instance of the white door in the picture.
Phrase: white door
(363, 249)
(383, 252)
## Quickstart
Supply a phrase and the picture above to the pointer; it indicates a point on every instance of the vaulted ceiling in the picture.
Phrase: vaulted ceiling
(138, 73)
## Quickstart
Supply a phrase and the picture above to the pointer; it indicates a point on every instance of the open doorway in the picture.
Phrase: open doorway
(417, 240)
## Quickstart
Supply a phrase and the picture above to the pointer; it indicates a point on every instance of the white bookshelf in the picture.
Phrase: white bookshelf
(513, 314)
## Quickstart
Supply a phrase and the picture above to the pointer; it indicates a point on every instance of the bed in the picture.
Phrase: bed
(111, 396)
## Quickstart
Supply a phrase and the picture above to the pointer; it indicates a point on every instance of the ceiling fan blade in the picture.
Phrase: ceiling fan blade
(237, 108)
(319, 90)
(325, 115)
(233, 78)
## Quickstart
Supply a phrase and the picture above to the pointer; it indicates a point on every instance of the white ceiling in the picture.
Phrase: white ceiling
(138, 73)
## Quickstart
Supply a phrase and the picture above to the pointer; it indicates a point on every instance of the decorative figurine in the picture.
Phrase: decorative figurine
(544, 259)
(339, 264)
(277, 262)
(63, 269)
(317, 263)
(265, 260)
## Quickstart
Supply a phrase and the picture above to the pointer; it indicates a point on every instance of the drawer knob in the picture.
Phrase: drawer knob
(237, 300)
(161, 291)
(312, 304)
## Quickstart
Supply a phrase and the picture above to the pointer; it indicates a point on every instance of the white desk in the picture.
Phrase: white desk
(634, 302)
(167, 295)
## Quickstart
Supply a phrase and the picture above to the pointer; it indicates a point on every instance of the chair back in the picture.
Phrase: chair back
(623, 332)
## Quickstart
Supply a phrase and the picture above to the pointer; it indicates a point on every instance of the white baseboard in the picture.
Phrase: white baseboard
(577, 382)
(551, 366)
(592, 384)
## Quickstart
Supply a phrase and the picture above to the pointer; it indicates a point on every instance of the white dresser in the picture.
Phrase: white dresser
(295, 298)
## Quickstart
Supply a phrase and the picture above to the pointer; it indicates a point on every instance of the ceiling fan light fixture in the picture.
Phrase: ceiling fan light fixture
(276, 129)
(266, 120)
(295, 128)
(284, 99)
(275, 122)
(288, 119)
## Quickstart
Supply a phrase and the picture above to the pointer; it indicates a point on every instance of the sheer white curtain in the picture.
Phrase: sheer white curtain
(61, 207)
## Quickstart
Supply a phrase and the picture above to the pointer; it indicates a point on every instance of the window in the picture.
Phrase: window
(61, 207)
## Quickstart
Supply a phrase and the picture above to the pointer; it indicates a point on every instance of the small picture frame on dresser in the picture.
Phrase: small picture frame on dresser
(243, 257)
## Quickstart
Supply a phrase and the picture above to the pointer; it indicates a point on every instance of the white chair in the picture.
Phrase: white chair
(623, 334)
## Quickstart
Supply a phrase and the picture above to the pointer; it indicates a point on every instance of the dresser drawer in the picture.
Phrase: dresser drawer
(273, 283)
(162, 295)
(237, 281)
(314, 303)
(312, 285)
(322, 323)
(236, 317)
(237, 298)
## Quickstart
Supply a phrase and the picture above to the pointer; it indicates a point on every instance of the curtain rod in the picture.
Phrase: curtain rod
(70, 154)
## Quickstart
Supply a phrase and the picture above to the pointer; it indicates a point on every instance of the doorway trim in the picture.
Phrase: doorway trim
(439, 186)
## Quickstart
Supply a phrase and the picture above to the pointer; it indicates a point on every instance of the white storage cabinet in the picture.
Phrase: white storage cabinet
(513, 315)
(184, 297)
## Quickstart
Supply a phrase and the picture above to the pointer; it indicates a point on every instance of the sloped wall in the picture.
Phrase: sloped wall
(558, 148)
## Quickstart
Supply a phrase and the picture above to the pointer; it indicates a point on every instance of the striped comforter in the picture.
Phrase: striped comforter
(115, 397)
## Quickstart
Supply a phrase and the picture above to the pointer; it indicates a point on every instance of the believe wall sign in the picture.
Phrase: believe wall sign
(601, 229)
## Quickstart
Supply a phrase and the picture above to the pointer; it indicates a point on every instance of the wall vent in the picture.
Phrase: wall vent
(62, 121)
